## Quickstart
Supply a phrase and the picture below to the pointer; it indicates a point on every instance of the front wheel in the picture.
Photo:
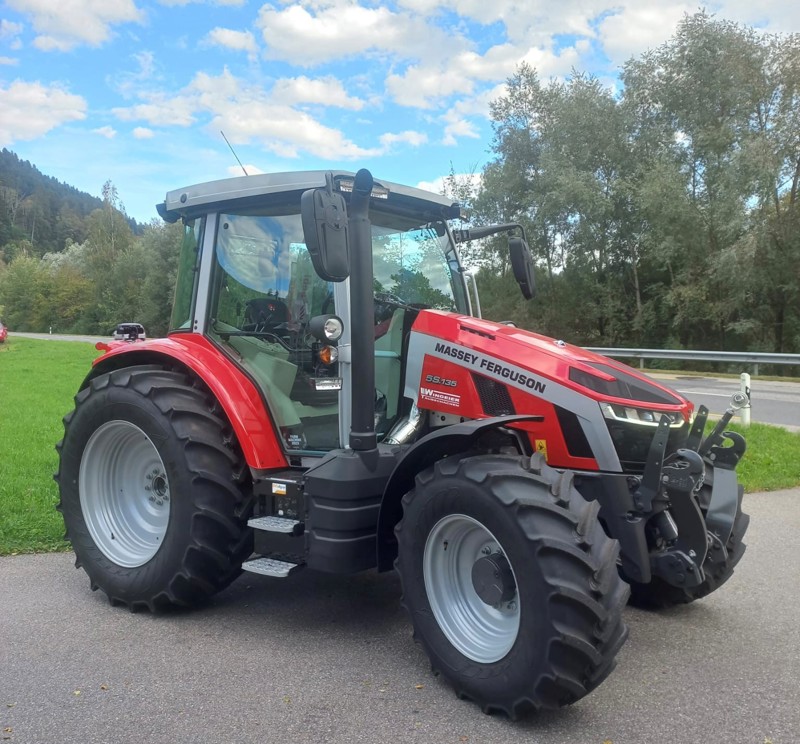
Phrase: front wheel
(510, 581)
(151, 491)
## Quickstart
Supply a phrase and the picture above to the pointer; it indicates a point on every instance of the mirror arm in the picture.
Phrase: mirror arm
(475, 233)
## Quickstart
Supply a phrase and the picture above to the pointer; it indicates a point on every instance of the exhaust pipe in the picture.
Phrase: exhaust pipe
(362, 335)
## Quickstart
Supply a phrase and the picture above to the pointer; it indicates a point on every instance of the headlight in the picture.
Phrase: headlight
(642, 416)
(327, 327)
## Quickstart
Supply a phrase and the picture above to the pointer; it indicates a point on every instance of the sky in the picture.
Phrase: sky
(139, 91)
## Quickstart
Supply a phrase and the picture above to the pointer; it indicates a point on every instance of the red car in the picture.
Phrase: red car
(3, 333)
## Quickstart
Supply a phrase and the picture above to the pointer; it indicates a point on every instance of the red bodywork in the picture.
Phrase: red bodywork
(447, 385)
(236, 393)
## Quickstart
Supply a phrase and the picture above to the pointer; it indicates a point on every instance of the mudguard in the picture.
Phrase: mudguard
(422, 454)
(238, 395)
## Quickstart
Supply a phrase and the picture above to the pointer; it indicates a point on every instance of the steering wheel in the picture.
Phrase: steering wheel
(327, 304)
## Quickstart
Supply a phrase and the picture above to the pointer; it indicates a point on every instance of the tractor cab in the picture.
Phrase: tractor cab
(247, 281)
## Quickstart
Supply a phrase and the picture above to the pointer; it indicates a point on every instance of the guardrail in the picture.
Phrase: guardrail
(747, 357)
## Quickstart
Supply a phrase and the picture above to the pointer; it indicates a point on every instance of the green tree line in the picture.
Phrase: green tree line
(664, 215)
(87, 287)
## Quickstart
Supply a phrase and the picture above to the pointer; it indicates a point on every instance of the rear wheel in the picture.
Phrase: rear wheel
(151, 489)
(510, 581)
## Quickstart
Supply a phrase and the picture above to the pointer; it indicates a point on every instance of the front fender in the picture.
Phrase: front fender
(236, 393)
(422, 454)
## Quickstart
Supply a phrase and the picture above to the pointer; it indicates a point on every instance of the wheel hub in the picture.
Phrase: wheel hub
(493, 579)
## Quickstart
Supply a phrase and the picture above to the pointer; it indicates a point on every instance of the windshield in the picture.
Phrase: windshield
(416, 265)
(267, 254)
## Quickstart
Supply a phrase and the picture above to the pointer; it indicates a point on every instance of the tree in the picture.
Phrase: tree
(644, 209)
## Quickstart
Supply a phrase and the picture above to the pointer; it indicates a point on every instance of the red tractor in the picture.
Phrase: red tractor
(327, 398)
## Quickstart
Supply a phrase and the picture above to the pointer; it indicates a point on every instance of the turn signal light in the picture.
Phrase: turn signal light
(328, 354)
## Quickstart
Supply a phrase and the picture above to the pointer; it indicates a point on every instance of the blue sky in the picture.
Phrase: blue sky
(137, 91)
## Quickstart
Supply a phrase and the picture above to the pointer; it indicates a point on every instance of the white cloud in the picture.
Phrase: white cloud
(9, 61)
(9, 29)
(631, 30)
(181, 3)
(409, 137)
(314, 32)
(143, 133)
(245, 114)
(239, 41)
(127, 83)
(437, 186)
(327, 91)
(459, 128)
(29, 110)
(252, 170)
(422, 87)
(61, 26)
(248, 113)
(107, 132)
(160, 109)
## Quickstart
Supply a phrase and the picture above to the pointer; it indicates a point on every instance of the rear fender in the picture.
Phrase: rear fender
(422, 454)
(235, 392)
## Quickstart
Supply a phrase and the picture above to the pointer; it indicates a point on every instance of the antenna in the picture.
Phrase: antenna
(234, 152)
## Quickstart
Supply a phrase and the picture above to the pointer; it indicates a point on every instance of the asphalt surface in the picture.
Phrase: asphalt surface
(318, 658)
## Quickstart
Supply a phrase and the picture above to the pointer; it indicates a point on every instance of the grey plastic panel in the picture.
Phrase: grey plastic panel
(269, 567)
(273, 524)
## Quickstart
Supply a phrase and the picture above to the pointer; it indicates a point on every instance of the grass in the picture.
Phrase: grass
(38, 380)
(772, 459)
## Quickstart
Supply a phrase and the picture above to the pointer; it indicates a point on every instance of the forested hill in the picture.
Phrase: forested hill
(38, 213)
(74, 263)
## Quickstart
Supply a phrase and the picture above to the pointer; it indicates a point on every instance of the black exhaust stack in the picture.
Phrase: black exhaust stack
(362, 335)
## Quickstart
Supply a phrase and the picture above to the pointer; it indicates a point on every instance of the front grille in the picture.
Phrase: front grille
(632, 442)
(494, 396)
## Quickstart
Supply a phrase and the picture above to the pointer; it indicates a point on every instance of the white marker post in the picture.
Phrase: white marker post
(744, 411)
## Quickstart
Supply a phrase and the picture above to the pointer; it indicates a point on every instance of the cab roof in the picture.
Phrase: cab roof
(191, 201)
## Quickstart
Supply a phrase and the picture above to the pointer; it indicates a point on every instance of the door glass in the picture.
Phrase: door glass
(265, 293)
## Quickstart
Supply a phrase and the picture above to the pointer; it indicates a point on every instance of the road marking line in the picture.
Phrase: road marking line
(704, 392)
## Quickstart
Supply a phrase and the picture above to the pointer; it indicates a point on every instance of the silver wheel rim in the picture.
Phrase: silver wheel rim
(481, 632)
(124, 493)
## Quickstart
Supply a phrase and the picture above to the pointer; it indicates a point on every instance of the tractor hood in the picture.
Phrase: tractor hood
(491, 347)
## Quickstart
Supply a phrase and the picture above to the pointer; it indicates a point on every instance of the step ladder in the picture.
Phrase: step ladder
(278, 566)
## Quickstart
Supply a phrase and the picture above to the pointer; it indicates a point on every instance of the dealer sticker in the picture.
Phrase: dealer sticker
(437, 396)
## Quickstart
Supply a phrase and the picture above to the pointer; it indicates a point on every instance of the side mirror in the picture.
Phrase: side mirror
(522, 266)
(324, 216)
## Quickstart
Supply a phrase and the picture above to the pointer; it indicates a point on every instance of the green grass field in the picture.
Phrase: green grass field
(38, 380)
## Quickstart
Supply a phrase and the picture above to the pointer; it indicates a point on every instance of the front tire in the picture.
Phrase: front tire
(152, 492)
(510, 581)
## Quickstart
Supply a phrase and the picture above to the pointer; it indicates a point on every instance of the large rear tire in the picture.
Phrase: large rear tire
(152, 489)
(510, 581)
(658, 594)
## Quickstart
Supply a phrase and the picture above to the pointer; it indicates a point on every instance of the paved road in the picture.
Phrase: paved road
(330, 659)
(61, 337)
(773, 402)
